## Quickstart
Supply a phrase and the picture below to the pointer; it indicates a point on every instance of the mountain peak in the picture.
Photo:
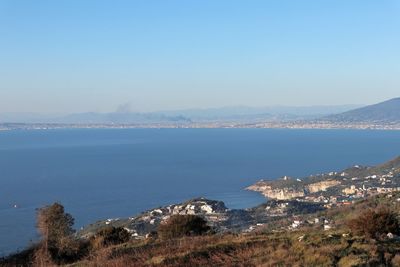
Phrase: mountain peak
(383, 112)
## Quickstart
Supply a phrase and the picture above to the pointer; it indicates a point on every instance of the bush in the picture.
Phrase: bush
(112, 236)
(183, 225)
(375, 223)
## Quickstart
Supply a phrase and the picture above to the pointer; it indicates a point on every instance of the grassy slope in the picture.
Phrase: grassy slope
(265, 247)
(278, 249)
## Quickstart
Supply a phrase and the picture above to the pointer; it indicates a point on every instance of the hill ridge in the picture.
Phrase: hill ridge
(384, 112)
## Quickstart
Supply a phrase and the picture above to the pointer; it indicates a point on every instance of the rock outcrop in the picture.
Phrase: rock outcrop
(290, 190)
(275, 193)
(321, 186)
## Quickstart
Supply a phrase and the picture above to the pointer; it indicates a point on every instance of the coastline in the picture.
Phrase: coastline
(206, 125)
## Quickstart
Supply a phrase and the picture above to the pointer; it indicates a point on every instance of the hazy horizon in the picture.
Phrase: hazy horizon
(130, 110)
(62, 57)
(236, 113)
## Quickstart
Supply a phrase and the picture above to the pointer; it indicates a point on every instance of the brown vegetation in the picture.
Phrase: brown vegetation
(58, 245)
(183, 225)
(375, 223)
(110, 236)
(181, 241)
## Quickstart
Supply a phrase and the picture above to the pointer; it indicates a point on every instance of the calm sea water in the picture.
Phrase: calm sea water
(100, 174)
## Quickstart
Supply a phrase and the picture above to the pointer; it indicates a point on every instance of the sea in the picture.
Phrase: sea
(113, 173)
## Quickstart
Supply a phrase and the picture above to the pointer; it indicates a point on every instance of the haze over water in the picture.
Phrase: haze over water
(98, 174)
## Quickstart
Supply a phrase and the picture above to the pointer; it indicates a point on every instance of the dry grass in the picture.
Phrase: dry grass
(264, 248)
(317, 248)
(279, 249)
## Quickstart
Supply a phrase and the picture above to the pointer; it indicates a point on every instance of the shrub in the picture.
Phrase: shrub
(183, 225)
(112, 236)
(374, 223)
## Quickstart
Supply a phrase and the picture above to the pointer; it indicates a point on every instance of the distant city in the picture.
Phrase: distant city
(385, 116)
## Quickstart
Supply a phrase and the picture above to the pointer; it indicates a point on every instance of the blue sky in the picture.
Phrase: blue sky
(75, 56)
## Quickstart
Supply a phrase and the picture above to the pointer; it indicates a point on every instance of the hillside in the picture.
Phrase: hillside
(384, 112)
(311, 243)
(318, 239)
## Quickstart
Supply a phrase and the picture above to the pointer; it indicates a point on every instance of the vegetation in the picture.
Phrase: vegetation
(183, 225)
(110, 236)
(358, 238)
(54, 225)
(375, 223)
(58, 244)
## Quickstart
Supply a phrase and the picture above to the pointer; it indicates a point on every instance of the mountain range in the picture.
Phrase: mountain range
(387, 112)
(235, 113)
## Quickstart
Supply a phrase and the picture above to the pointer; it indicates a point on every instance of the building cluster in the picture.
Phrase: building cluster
(350, 190)
(273, 124)
(317, 221)
(353, 188)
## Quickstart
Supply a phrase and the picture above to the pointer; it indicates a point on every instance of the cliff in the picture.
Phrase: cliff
(290, 190)
(321, 186)
(270, 192)
(355, 181)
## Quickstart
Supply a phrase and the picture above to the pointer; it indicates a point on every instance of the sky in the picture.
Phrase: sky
(69, 56)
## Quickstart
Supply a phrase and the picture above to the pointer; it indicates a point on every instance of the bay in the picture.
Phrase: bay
(108, 173)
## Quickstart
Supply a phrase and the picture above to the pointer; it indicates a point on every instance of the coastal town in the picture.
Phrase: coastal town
(331, 190)
(334, 188)
(276, 124)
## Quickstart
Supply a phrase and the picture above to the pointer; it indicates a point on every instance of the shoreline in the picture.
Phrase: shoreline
(24, 126)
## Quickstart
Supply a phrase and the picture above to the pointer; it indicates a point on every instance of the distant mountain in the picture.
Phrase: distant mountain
(234, 113)
(384, 112)
(260, 113)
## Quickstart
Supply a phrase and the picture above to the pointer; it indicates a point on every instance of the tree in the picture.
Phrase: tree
(183, 225)
(55, 226)
(374, 223)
